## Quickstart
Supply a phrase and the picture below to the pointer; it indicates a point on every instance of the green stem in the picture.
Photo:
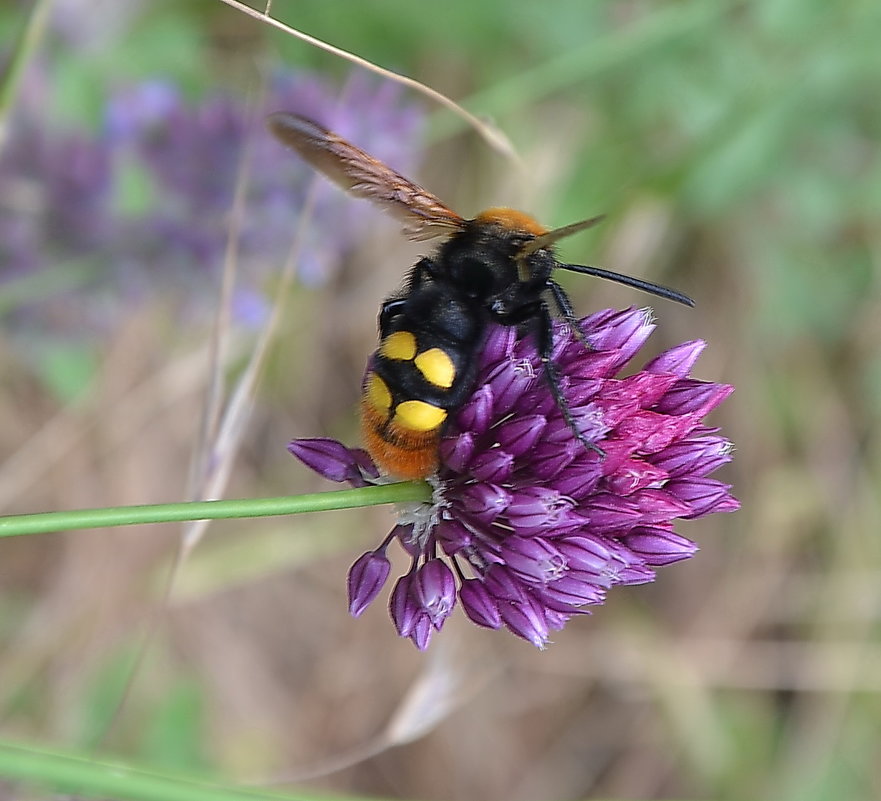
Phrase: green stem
(76, 774)
(409, 491)
(89, 778)
(10, 81)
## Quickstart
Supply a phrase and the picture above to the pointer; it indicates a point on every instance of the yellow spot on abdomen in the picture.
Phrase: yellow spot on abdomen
(400, 346)
(418, 415)
(437, 367)
(513, 220)
(377, 393)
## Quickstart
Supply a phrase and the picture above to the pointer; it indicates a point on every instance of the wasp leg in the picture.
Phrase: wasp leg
(388, 310)
(545, 336)
(567, 311)
(423, 270)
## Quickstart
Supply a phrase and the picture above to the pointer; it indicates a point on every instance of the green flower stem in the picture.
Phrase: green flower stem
(25, 47)
(408, 491)
(72, 773)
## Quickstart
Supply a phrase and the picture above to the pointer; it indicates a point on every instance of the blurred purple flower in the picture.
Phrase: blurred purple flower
(54, 194)
(143, 206)
(527, 527)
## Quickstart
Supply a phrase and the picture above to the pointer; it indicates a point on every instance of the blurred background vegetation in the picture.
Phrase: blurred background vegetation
(734, 147)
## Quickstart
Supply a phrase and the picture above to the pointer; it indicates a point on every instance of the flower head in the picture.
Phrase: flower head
(527, 527)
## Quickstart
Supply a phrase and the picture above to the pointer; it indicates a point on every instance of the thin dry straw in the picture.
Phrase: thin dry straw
(493, 136)
(450, 678)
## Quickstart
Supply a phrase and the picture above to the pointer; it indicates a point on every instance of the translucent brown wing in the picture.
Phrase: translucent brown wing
(423, 215)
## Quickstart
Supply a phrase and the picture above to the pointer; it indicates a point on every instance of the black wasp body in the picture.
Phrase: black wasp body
(448, 299)
(497, 267)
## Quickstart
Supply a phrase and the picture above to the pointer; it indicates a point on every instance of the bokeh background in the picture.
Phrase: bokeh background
(734, 147)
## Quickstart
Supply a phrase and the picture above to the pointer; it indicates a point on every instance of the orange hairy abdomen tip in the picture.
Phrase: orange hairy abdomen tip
(512, 219)
(396, 451)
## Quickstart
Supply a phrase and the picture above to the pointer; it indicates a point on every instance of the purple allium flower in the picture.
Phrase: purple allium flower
(527, 527)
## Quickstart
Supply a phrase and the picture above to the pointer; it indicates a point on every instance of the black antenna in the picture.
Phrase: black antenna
(636, 283)
(549, 237)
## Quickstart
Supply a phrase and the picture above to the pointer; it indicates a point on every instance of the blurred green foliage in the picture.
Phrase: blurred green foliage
(754, 127)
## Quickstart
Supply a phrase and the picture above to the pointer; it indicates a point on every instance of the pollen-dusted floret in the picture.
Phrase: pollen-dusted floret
(527, 527)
